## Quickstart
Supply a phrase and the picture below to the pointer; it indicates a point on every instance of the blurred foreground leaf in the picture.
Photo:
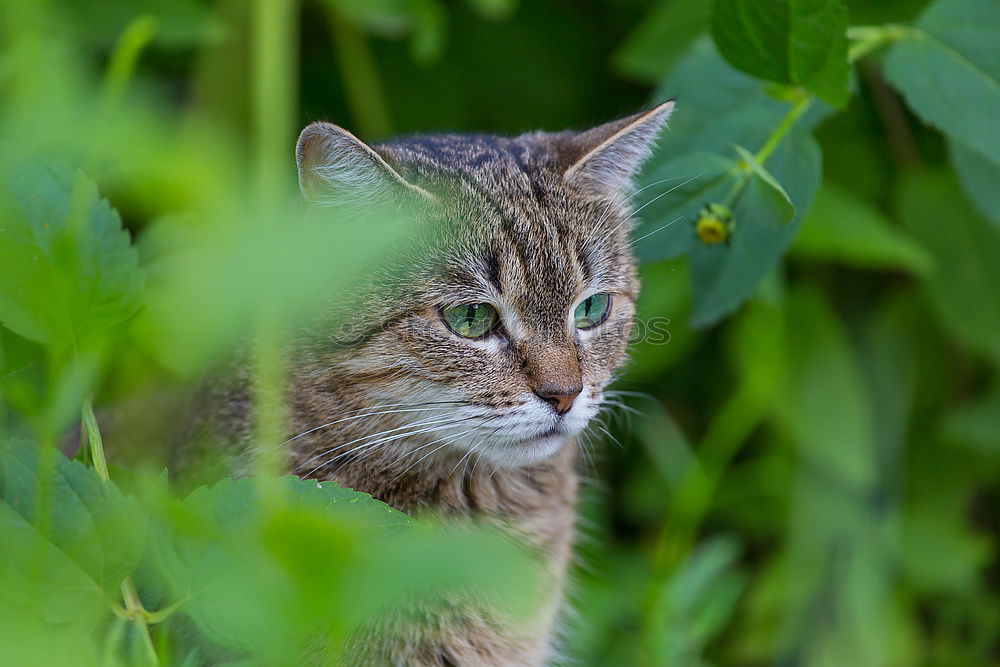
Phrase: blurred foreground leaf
(69, 270)
(319, 561)
(67, 539)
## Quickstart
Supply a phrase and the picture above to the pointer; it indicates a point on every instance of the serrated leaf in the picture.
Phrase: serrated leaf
(948, 69)
(965, 287)
(799, 42)
(317, 560)
(66, 562)
(69, 269)
(843, 228)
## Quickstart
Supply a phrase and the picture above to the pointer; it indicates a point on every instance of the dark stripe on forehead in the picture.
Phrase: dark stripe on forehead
(491, 263)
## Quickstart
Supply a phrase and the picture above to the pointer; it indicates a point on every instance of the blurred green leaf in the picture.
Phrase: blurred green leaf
(948, 69)
(979, 176)
(661, 36)
(977, 424)
(69, 539)
(69, 269)
(494, 9)
(826, 406)
(965, 288)
(799, 42)
(179, 23)
(843, 228)
(660, 337)
(697, 603)
(318, 560)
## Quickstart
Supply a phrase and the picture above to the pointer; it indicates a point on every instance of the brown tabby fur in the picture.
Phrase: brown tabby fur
(423, 419)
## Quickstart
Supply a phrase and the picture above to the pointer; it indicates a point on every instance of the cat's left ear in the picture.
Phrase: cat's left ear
(335, 167)
(608, 156)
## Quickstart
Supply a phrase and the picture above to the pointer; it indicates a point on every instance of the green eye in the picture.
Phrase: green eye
(471, 320)
(592, 311)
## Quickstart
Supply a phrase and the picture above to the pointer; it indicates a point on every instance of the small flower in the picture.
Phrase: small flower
(715, 224)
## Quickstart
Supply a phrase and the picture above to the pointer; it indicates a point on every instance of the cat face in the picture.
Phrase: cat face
(513, 306)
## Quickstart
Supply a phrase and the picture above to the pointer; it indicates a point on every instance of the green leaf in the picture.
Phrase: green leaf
(714, 95)
(798, 42)
(965, 288)
(675, 192)
(725, 275)
(697, 602)
(979, 176)
(843, 228)
(69, 271)
(494, 9)
(69, 539)
(661, 36)
(723, 107)
(317, 560)
(977, 424)
(179, 23)
(721, 273)
(948, 69)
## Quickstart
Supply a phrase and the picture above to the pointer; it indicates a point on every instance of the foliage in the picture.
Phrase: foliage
(811, 475)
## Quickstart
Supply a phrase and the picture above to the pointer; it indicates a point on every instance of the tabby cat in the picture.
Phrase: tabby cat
(470, 373)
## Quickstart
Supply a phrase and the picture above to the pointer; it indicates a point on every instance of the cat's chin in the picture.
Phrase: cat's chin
(527, 452)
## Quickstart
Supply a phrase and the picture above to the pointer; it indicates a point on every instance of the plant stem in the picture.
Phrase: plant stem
(786, 124)
(133, 40)
(275, 51)
(362, 83)
(867, 38)
(137, 614)
(94, 440)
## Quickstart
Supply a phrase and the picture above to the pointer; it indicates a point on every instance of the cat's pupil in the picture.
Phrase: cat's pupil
(588, 305)
(470, 314)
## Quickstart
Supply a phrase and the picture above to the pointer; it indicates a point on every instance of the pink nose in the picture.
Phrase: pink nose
(559, 397)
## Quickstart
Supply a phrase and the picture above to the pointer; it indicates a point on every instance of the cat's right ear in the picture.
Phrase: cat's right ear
(336, 167)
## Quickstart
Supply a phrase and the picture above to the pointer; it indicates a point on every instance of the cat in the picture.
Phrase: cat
(471, 371)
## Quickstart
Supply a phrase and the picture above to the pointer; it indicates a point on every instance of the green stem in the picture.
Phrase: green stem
(275, 49)
(867, 38)
(362, 83)
(793, 115)
(133, 40)
(137, 614)
(94, 440)
(274, 93)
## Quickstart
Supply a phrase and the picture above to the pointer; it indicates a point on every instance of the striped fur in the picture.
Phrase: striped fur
(425, 420)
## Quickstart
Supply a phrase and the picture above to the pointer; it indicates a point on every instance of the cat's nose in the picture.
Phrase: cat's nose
(560, 397)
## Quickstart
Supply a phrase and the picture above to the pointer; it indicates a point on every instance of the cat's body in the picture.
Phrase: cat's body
(427, 417)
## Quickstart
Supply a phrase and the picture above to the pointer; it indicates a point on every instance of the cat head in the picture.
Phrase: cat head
(513, 307)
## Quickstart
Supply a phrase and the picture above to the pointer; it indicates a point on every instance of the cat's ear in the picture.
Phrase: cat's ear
(607, 157)
(337, 167)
